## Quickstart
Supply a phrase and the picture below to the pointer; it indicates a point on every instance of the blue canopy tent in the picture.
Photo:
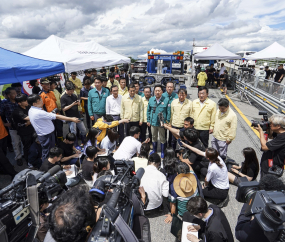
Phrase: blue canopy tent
(15, 67)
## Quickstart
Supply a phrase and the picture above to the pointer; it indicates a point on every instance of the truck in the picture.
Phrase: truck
(161, 68)
(199, 49)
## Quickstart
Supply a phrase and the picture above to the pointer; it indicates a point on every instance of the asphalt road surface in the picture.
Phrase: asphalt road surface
(245, 138)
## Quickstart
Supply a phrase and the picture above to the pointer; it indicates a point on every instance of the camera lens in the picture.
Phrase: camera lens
(248, 194)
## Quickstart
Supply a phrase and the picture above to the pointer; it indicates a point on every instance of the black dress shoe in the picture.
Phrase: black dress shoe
(19, 162)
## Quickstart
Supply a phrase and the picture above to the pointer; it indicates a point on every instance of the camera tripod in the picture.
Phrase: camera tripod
(241, 91)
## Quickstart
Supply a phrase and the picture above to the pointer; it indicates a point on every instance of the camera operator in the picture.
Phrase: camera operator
(72, 217)
(274, 149)
(247, 228)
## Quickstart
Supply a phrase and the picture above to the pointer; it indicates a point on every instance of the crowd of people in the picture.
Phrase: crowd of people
(123, 123)
(219, 78)
(212, 77)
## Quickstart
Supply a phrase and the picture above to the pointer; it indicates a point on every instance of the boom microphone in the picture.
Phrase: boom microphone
(137, 178)
(49, 173)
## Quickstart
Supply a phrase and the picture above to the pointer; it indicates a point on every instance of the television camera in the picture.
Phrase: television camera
(118, 218)
(267, 207)
(21, 199)
(264, 124)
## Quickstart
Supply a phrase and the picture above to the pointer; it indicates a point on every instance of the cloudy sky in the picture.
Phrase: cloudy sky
(133, 27)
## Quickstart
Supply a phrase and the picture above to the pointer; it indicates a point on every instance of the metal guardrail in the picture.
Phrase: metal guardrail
(275, 89)
(266, 93)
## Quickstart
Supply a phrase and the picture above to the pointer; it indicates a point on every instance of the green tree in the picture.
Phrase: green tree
(132, 59)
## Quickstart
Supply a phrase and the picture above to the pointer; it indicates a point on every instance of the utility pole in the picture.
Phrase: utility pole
(193, 69)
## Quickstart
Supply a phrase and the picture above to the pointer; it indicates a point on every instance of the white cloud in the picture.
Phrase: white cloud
(133, 27)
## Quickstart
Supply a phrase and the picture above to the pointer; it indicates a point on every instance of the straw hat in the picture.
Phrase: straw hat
(185, 184)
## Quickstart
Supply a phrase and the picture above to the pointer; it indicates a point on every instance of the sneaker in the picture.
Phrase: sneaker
(19, 162)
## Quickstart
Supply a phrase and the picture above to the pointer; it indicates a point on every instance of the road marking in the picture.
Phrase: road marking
(243, 116)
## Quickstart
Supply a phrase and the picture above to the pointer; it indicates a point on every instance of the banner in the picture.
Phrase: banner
(27, 88)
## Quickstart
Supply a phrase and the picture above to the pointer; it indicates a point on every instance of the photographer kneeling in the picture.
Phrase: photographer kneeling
(274, 150)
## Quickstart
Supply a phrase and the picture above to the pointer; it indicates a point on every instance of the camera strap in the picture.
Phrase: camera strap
(138, 209)
(119, 223)
(33, 199)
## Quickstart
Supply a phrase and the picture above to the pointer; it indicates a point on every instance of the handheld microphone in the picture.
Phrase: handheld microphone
(49, 173)
(161, 118)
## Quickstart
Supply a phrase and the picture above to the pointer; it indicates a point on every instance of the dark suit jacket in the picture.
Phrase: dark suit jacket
(216, 230)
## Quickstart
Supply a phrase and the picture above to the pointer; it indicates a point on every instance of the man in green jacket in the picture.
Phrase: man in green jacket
(158, 104)
(171, 95)
(97, 100)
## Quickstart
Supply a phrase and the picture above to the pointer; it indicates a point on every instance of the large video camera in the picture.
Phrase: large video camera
(264, 124)
(15, 203)
(119, 213)
(267, 207)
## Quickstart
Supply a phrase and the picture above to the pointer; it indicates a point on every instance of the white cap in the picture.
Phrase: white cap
(261, 67)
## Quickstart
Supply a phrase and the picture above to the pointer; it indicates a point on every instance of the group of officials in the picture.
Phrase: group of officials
(152, 112)
(113, 97)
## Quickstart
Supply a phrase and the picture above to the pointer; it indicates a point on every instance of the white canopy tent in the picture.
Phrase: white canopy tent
(274, 51)
(76, 56)
(154, 50)
(216, 52)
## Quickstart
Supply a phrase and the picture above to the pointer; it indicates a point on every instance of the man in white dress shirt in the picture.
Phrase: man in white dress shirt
(42, 123)
(130, 145)
(113, 108)
(154, 182)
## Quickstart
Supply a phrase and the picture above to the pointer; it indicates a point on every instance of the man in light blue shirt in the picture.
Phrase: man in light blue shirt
(42, 123)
